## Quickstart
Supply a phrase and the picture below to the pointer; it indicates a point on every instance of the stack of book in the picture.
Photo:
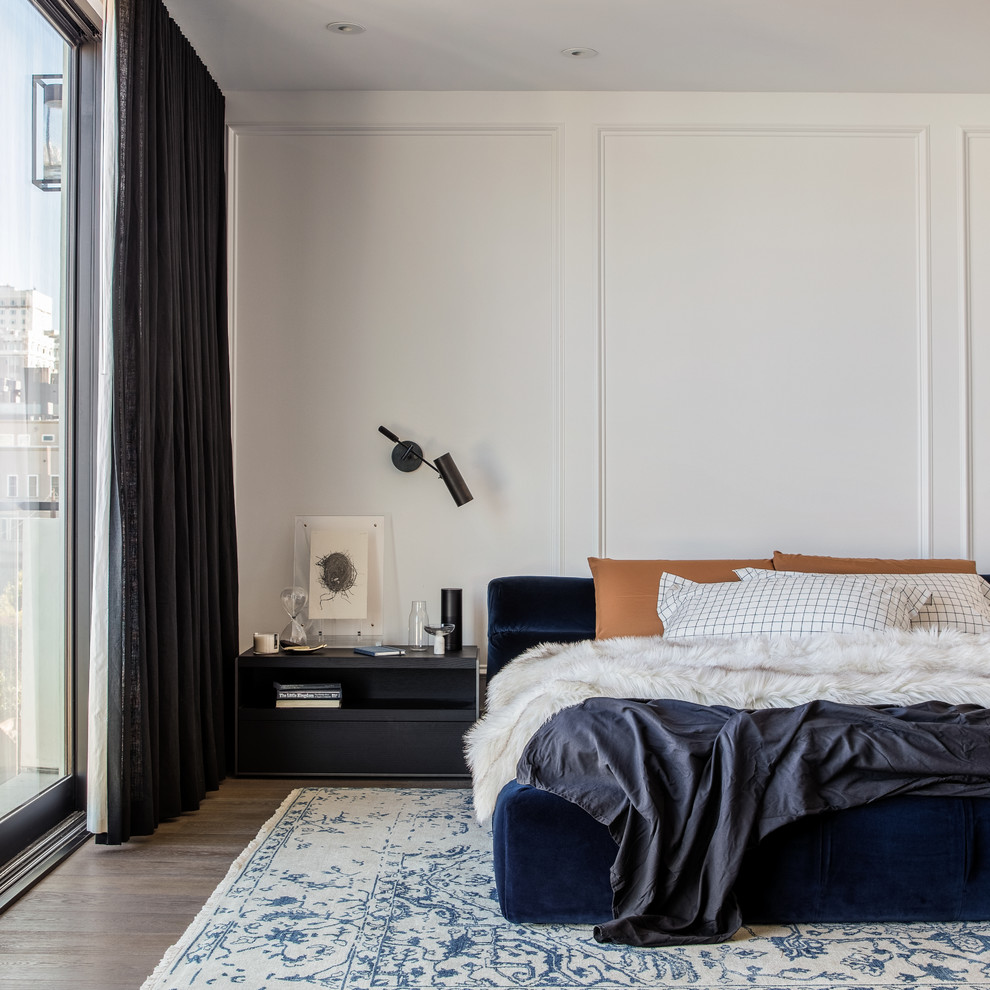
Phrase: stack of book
(307, 695)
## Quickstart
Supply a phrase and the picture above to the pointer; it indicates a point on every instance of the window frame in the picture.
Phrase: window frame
(37, 836)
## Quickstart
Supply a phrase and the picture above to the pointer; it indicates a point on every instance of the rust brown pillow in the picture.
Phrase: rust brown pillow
(869, 565)
(626, 590)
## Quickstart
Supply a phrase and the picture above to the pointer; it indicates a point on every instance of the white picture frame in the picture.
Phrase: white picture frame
(347, 609)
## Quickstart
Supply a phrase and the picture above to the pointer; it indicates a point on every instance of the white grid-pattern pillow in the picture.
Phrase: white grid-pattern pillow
(959, 601)
(809, 603)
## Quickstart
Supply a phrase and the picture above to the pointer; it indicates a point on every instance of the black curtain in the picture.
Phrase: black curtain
(173, 612)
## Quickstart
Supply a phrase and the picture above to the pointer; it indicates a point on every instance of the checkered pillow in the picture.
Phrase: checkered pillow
(959, 601)
(807, 603)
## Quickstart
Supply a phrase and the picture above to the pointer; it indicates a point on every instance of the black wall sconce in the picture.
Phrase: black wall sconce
(46, 128)
(407, 456)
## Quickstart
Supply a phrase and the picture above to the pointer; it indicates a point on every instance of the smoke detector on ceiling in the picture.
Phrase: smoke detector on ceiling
(345, 27)
(579, 52)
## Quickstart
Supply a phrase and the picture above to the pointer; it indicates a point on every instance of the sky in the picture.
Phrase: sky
(30, 218)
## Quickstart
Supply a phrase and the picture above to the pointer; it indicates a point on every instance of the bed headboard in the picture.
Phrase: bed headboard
(527, 610)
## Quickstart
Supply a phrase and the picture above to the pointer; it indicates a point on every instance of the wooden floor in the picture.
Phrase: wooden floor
(105, 916)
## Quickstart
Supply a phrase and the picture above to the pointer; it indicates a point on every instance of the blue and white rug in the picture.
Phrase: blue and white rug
(361, 889)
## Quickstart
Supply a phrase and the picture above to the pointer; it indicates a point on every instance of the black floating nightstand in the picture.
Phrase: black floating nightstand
(400, 716)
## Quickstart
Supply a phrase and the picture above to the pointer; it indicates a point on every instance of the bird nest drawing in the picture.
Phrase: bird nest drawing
(337, 574)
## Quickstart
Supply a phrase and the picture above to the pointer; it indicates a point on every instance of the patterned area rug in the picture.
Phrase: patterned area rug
(360, 889)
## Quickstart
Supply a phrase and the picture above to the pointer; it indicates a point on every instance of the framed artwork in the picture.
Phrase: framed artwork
(340, 561)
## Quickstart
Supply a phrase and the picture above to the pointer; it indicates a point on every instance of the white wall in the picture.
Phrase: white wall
(643, 324)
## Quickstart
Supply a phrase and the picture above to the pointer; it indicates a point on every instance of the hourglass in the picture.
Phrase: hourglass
(294, 601)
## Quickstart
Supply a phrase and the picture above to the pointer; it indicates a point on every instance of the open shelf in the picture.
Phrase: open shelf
(399, 716)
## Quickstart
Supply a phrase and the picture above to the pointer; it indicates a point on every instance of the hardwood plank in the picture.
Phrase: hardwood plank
(105, 916)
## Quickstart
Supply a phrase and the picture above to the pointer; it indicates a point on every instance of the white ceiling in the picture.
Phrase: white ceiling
(933, 46)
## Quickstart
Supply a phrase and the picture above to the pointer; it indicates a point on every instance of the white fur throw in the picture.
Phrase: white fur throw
(868, 668)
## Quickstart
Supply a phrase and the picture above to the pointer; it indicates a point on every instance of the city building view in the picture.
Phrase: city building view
(29, 495)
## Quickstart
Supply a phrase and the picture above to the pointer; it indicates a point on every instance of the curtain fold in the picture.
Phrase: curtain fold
(173, 565)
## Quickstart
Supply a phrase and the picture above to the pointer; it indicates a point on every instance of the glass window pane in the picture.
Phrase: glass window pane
(34, 100)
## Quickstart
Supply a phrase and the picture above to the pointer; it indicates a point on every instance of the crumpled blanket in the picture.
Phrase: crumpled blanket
(869, 668)
(685, 789)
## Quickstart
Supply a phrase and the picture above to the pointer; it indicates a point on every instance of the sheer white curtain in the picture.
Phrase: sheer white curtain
(96, 777)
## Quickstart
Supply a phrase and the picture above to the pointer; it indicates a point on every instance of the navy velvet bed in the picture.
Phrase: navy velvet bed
(900, 859)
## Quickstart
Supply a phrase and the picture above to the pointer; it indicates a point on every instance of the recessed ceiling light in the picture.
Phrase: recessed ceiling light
(579, 52)
(345, 27)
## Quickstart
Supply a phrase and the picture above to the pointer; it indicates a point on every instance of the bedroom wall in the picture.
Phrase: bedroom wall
(644, 325)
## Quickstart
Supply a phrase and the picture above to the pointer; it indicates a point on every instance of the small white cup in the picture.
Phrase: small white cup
(266, 642)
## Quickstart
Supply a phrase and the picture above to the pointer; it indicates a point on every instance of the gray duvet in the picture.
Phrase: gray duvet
(685, 789)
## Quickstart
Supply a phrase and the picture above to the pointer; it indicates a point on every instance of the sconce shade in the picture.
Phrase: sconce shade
(452, 479)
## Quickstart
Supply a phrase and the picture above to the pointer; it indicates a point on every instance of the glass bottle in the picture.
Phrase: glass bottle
(418, 621)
